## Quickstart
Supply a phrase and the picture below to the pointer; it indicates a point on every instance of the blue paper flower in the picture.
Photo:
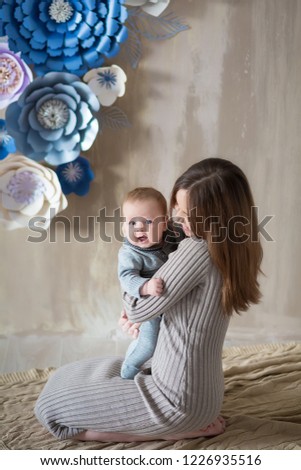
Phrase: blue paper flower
(7, 143)
(64, 35)
(53, 118)
(75, 177)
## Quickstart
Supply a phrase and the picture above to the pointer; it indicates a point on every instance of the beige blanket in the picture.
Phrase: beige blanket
(262, 405)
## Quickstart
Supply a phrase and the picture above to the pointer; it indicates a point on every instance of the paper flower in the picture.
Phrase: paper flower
(64, 35)
(75, 177)
(53, 118)
(28, 189)
(15, 75)
(152, 7)
(7, 143)
(108, 83)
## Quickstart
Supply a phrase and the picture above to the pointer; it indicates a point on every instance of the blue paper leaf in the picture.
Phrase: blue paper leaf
(113, 117)
(156, 28)
(133, 11)
(131, 50)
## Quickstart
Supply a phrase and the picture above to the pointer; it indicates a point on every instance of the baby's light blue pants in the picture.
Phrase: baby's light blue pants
(141, 349)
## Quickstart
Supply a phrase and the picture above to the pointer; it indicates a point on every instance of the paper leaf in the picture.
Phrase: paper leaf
(114, 118)
(156, 28)
(132, 48)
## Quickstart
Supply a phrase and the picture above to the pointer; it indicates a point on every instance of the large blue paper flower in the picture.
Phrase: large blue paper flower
(64, 35)
(75, 177)
(53, 118)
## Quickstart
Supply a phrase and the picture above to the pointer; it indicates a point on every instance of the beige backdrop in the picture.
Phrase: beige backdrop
(230, 86)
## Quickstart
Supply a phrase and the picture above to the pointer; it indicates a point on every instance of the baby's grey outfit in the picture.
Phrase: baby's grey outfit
(185, 389)
(135, 266)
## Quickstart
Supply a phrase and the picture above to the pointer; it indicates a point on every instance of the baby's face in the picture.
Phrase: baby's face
(145, 222)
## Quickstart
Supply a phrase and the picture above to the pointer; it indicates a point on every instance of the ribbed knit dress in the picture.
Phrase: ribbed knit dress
(183, 390)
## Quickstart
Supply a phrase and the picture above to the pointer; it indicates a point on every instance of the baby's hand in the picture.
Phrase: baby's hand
(154, 286)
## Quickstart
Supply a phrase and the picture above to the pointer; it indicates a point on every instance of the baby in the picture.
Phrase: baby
(149, 239)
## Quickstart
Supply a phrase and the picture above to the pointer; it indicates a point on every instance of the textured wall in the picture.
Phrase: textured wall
(230, 86)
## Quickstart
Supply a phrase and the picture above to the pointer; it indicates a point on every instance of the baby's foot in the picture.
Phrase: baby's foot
(128, 371)
(217, 427)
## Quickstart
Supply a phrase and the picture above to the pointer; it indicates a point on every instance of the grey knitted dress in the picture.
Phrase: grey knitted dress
(184, 389)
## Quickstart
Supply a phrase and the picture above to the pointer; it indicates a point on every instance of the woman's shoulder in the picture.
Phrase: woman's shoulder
(195, 248)
(192, 256)
(194, 243)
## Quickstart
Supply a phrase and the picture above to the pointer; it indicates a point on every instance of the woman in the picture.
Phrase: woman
(212, 274)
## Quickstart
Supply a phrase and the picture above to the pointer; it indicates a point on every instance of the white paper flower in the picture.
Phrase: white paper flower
(28, 189)
(152, 7)
(108, 83)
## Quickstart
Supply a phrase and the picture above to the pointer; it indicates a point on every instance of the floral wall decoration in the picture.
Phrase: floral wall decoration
(15, 75)
(58, 90)
(27, 190)
(7, 143)
(53, 119)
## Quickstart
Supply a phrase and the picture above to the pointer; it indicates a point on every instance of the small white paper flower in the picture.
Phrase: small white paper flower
(108, 83)
(152, 7)
(28, 189)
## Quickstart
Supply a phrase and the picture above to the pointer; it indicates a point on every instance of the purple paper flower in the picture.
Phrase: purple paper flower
(7, 143)
(15, 75)
(75, 177)
(53, 118)
(64, 35)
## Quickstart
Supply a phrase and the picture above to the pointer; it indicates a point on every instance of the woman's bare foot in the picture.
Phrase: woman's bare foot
(217, 427)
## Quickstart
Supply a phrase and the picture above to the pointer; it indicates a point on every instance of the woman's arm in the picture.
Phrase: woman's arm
(185, 269)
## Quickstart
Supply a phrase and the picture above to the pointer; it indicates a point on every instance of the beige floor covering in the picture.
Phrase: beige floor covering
(262, 405)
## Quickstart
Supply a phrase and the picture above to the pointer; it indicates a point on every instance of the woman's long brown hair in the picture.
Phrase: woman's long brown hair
(221, 211)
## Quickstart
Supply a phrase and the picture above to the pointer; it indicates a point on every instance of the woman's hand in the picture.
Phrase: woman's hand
(127, 326)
